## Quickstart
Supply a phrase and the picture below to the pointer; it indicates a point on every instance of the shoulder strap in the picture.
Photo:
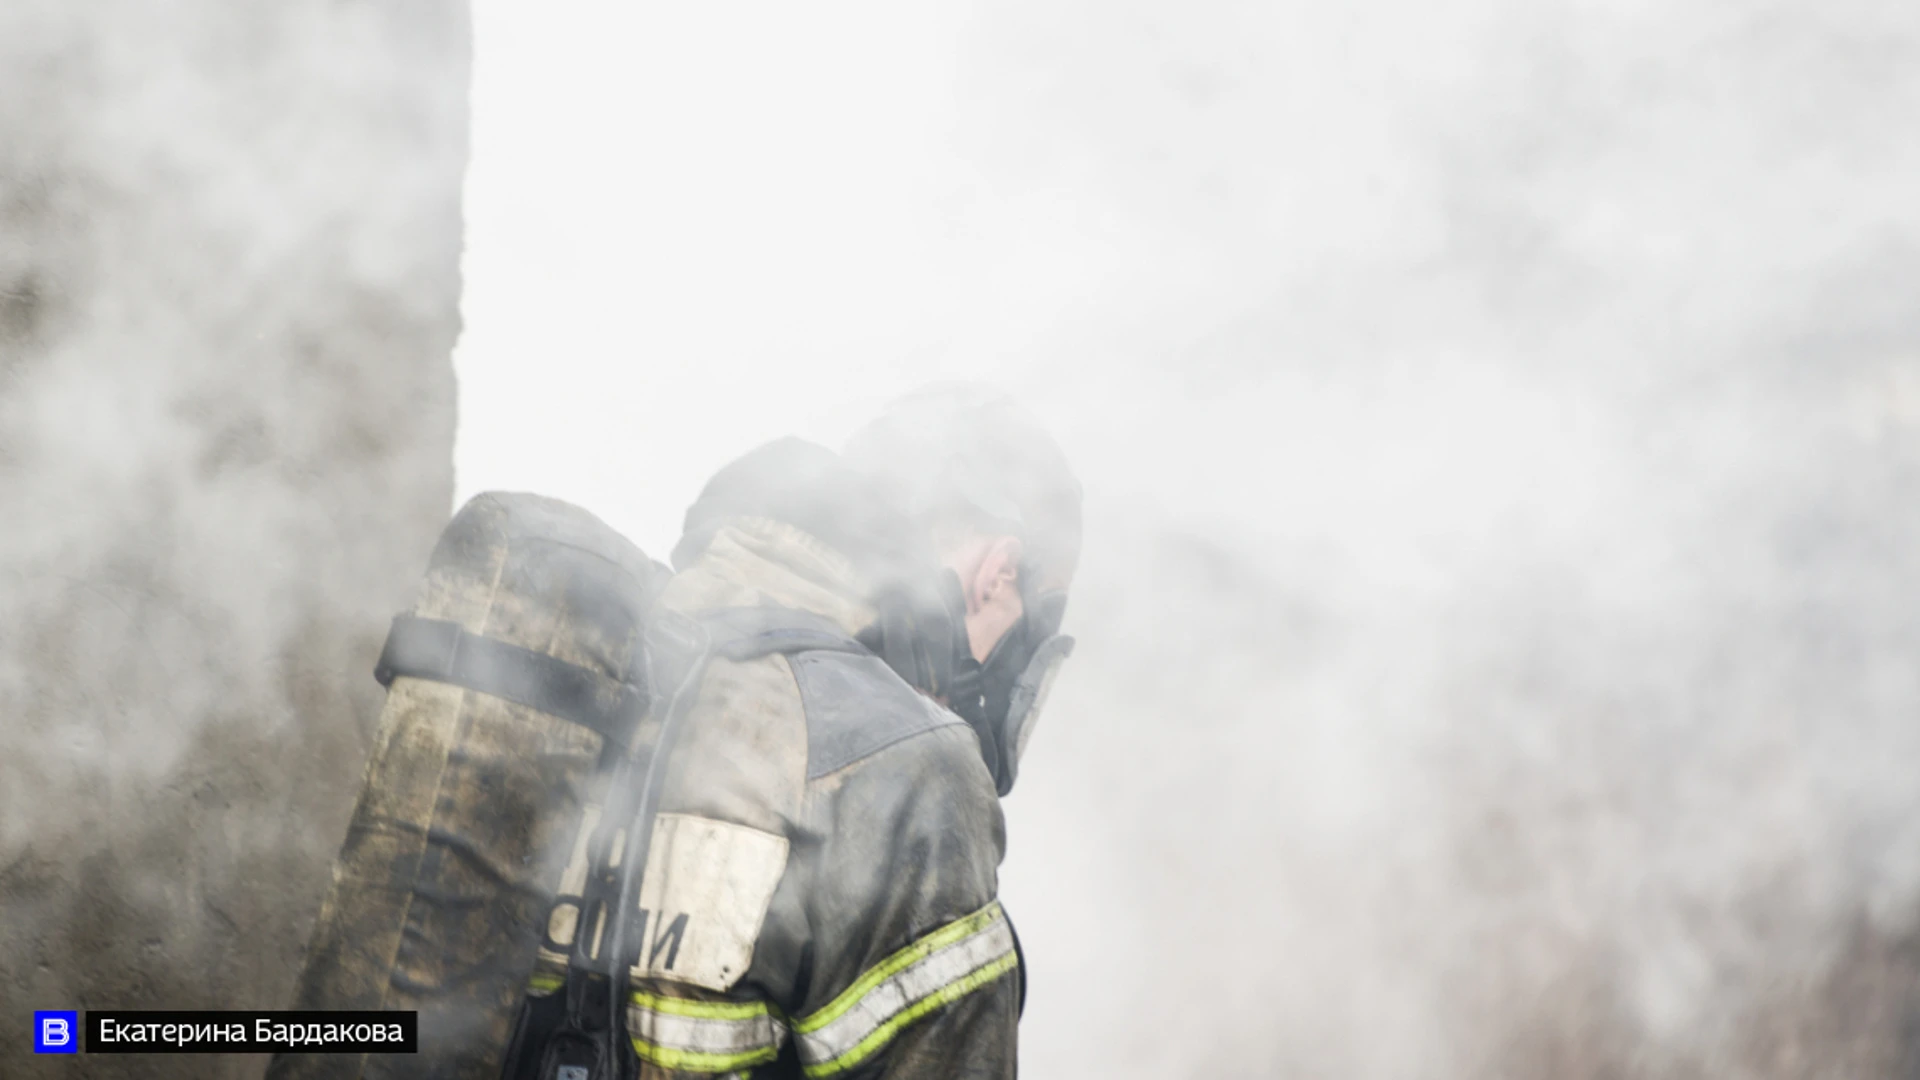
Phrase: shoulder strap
(747, 633)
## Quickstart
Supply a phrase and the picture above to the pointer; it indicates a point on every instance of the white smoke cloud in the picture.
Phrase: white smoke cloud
(1500, 425)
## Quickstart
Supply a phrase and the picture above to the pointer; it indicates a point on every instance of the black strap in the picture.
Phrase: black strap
(747, 633)
(570, 1028)
(1020, 965)
(446, 652)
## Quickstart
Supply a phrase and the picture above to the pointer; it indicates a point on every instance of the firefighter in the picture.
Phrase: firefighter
(819, 897)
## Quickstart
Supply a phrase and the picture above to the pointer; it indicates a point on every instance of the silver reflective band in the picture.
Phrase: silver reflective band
(702, 1036)
(944, 966)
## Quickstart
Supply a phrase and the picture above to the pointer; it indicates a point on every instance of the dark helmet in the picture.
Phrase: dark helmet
(957, 456)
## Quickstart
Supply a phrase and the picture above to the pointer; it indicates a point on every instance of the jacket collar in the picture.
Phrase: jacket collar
(753, 562)
(789, 523)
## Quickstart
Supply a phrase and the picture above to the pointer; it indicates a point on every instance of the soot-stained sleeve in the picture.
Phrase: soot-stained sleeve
(912, 970)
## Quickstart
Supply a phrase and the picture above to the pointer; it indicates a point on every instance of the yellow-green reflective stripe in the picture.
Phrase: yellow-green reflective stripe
(702, 1036)
(544, 984)
(958, 930)
(885, 1032)
(945, 965)
(694, 1061)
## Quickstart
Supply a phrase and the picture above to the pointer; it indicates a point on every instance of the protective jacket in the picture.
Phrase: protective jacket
(820, 895)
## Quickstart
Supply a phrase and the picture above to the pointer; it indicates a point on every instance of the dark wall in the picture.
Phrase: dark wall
(229, 276)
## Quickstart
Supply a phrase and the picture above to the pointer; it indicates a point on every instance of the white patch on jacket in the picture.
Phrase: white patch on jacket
(704, 895)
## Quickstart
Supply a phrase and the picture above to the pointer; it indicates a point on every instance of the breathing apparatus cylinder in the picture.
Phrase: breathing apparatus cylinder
(516, 687)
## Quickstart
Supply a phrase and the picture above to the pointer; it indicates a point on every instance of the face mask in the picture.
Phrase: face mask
(1030, 696)
(921, 633)
(1002, 697)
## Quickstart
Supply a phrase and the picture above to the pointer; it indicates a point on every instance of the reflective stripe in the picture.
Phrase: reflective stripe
(944, 966)
(703, 1036)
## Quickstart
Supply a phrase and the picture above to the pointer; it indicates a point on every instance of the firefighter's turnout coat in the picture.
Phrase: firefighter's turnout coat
(819, 898)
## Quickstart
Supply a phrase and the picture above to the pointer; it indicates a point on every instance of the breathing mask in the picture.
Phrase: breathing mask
(922, 634)
(1001, 697)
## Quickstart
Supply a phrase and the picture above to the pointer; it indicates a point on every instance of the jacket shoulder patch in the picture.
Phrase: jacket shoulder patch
(856, 706)
(704, 896)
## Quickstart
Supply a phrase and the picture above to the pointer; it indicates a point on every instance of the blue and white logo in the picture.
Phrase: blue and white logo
(56, 1032)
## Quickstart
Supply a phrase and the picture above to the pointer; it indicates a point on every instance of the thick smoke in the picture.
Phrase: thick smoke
(1501, 425)
(229, 245)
